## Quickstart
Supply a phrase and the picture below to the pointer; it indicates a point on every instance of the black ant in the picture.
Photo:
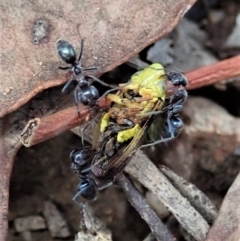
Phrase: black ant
(81, 159)
(173, 125)
(84, 91)
(88, 186)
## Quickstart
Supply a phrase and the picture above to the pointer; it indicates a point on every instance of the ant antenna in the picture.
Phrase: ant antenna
(81, 49)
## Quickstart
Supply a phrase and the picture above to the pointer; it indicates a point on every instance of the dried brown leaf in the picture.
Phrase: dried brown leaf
(114, 31)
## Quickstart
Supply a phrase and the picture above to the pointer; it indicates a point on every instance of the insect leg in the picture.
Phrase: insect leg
(81, 49)
(114, 89)
(107, 184)
(109, 91)
(173, 124)
(100, 81)
(86, 126)
(90, 68)
(63, 68)
(79, 193)
(95, 163)
(67, 85)
(156, 142)
(174, 106)
(76, 91)
(171, 130)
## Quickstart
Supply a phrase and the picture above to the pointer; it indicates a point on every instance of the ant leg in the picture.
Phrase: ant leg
(85, 127)
(157, 142)
(82, 206)
(137, 63)
(174, 106)
(79, 193)
(90, 68)
(151, 113)
(67, 85)
(108, 184)
(109, 91)
(113, 89)
(174, 126)
(63, 68)
(76, 91)
(100, 81)
(82, 134)
(95, 163)
(81, 49)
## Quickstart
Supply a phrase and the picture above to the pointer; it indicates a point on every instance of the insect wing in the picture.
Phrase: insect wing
(120, 159)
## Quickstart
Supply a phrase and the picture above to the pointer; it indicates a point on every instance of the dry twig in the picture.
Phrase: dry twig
(51, 126)
(142, 207)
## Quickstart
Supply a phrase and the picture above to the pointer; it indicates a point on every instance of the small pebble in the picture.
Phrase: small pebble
(29, 223)
(157, 205)
(27, 236)
(57, 225)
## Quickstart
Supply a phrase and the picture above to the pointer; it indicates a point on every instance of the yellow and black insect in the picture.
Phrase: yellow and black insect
(146, 92)
(124, 125)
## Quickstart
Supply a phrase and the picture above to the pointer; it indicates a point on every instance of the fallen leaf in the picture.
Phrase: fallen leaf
(114, 31)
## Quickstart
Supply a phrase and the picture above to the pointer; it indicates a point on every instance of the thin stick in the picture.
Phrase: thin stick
(38, 130)
(139, 203)
(214, 73)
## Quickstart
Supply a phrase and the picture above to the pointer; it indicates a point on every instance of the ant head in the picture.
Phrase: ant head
(81, 156)
(177, 78)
